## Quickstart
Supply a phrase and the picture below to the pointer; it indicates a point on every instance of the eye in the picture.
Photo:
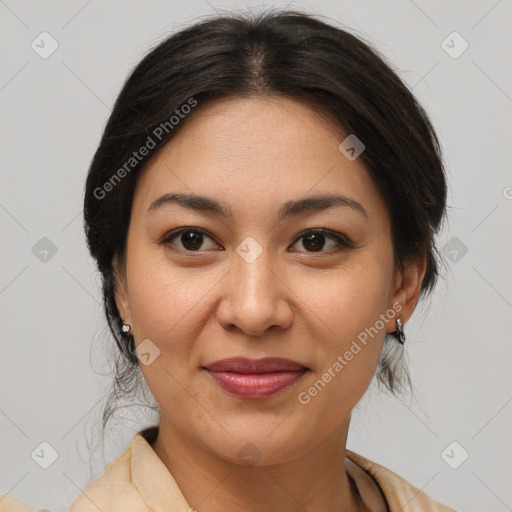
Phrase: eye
(191, 239)
(314, 240)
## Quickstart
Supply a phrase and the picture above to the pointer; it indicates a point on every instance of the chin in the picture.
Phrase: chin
(260, 448)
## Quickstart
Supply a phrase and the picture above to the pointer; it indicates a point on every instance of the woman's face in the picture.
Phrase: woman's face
(261, 281)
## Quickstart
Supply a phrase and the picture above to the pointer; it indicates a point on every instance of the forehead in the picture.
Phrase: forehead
(256, 152)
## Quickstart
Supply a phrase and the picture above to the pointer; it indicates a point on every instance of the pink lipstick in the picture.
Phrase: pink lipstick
(255, 378)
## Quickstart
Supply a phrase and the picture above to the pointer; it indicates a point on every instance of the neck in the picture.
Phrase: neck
(318, 480)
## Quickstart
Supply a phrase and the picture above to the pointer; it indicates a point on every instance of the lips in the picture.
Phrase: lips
(246, 366)
(255, 378)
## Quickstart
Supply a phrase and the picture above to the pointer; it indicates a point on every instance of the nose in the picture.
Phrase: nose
(256, 298)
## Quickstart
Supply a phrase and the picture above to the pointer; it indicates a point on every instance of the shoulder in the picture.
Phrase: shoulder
(112, 491)
(93, 498)
(399, 493)
(100, 493)
(10, 504)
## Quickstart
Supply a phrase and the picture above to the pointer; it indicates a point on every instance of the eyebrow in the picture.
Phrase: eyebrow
(291, 208)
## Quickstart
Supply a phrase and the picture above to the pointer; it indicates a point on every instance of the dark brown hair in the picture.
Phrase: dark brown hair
(274, 53)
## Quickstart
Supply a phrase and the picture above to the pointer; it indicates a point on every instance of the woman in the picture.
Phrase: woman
(262, 209)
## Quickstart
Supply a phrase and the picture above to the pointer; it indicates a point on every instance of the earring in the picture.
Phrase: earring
(126, 328)
(399, 333)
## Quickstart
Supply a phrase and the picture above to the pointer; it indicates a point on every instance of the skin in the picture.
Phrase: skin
(200, 306)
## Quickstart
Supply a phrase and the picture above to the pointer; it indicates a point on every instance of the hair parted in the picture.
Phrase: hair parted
(274, 53)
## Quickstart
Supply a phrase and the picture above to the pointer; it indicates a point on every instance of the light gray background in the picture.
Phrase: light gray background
(54, 346)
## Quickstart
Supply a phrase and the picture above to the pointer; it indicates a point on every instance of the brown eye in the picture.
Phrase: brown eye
(191, 239)
(316, 240)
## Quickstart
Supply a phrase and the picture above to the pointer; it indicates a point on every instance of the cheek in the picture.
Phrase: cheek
(349, 299)
(163, 298)
(166, 308)
(347, 306)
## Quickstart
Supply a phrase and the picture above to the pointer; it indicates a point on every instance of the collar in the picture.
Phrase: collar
(150, 473)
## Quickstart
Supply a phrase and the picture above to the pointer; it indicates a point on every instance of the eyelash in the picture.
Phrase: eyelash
(343, 242)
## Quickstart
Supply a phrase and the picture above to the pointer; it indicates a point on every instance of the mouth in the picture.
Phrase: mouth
(255, 378)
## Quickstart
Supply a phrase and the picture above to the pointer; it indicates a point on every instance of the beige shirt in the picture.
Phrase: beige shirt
(138, 481)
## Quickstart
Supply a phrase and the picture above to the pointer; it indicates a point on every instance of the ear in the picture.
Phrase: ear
(121, 293)
(407, 289)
